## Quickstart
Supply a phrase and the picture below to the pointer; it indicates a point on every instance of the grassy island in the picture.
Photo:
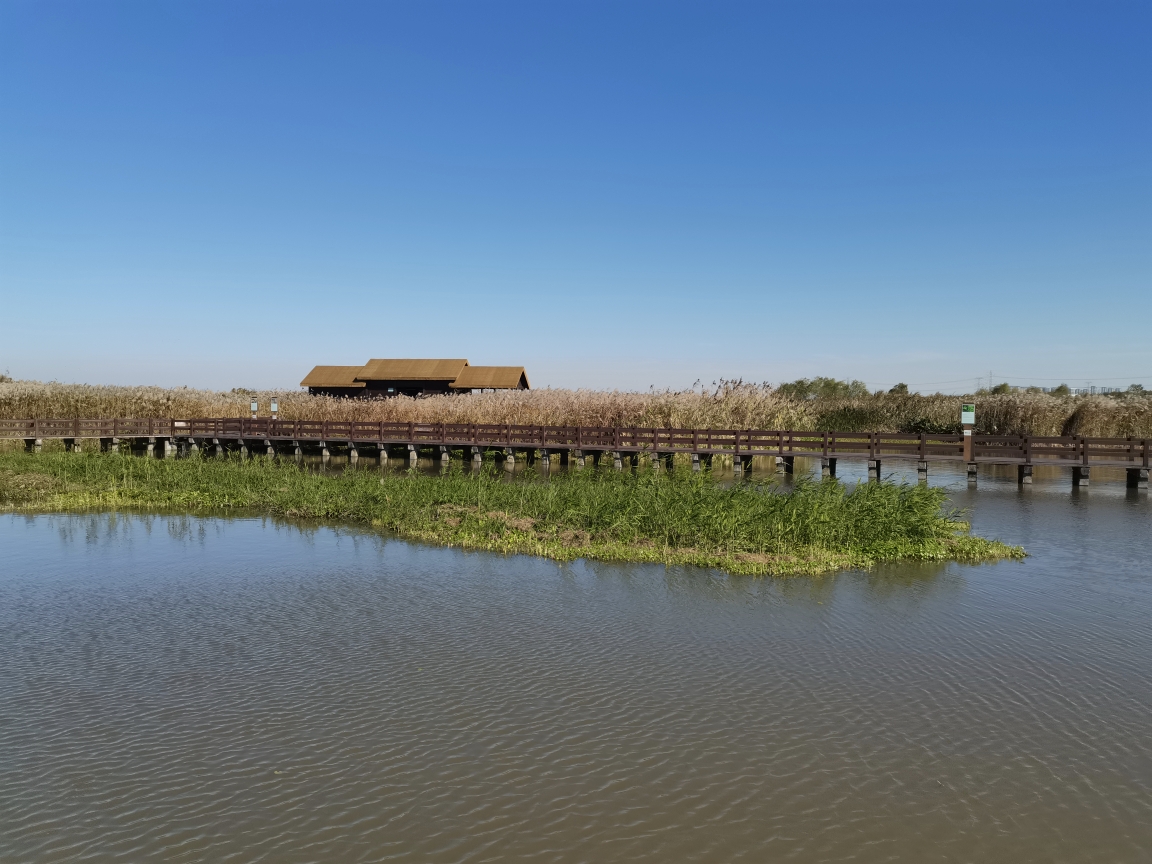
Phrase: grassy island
(811, 528)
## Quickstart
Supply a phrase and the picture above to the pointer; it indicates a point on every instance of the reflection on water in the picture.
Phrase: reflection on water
(185, 689)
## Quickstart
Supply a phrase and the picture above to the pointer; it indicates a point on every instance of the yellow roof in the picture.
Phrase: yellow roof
(411, 370)
(333, 376)
(491, 377)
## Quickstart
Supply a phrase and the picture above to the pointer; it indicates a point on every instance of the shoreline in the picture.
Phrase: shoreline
(646, 517)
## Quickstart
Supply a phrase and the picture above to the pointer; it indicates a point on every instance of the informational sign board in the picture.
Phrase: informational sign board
(968, 414)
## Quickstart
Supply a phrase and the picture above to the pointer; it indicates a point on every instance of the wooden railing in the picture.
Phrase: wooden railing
(1008, 449)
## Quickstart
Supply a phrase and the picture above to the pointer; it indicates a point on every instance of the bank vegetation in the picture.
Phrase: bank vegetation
(822, 404)
(648, 516)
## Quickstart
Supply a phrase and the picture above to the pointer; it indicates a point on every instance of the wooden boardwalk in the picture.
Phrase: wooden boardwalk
(1025, 451)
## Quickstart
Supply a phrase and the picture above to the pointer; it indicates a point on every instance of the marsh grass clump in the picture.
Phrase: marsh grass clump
(647, 516)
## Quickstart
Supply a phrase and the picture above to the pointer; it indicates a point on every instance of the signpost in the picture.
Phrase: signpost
(255, 405)
(968, 421)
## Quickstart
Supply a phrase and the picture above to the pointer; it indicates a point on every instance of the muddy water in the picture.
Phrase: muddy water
(176, 689)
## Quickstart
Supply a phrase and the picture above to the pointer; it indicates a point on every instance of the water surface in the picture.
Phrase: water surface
(180, 689)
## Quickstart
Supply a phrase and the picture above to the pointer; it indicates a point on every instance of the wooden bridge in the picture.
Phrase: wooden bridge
(577, 443)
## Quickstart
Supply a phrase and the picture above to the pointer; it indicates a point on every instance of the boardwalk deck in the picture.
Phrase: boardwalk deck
(1074, 451)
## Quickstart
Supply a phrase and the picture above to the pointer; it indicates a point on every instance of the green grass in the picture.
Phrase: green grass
(684, 519)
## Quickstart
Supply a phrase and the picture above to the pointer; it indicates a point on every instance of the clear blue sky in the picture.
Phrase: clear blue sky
(612, 194)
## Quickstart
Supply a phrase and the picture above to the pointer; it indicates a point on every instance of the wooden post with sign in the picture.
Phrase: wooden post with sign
(968, 422)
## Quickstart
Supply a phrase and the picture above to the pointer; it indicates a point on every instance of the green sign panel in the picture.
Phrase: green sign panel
(968, 414)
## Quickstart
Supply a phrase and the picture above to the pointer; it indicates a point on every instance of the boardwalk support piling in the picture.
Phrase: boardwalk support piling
(579, 454)
(382, 454)
(827, 467)
(216, 443)
(1137, 478)
(696, 463)
(445, 455)
(70, 445)
(1024, 475)
(1081, 475)
(789, 464)
(545, 461)
(324, 454)
(268, 448)
(921, 471)
(413, 455)
(618, 460)
(150, 448)
(509, 459)
(873, 469)
(971, 472)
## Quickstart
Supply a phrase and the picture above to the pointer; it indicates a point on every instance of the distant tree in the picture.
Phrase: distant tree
(900, 389)
(1136, 389)
(823, 388)
(1000, 388)
(1062, 390)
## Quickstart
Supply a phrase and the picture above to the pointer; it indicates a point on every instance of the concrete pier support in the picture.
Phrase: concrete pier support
(1081, 475)
(1137, 478)
(218, 447)
(545, 458)
(71, 444)
(109, 445)
(695, 463)
(922, 471)
(873, 469)
(297, 450)
(779, 464)
(654, 458)
(324, 454)
(382, 454)
(789, 464)
(413, 455)
(741, 465)
(578, 455)
(618, 460)
(150, 448)
(477, 457)
(445, 456)
(33, 445)
(243, 449)
(1024, 475)
(269, 449)
(353, 453)
(971, 472)
(193, 447)
(827, 467)
(509, 459)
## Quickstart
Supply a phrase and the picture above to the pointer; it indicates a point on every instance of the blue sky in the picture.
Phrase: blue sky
(612, 194)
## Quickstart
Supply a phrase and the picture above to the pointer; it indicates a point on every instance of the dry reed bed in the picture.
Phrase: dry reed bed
(733, 405)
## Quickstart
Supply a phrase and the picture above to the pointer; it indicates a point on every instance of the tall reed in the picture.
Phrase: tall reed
(731, 405)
